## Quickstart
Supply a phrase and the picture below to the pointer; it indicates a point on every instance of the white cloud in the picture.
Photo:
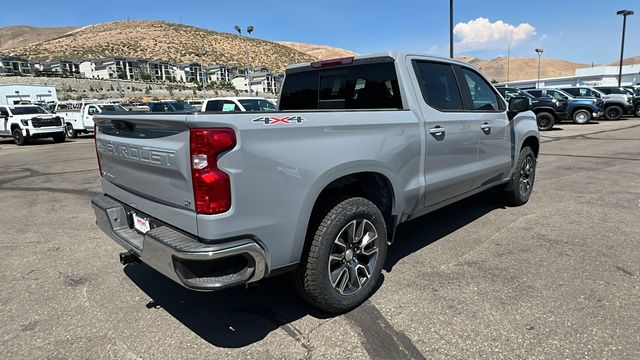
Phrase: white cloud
(483, 34)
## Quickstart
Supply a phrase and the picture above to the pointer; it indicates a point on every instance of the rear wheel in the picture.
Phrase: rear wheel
(519, 187)
(613, 112)
(70, 132)
(545, 121)
(581, 116)
(637, 111)
(18, 138)
(344, 261)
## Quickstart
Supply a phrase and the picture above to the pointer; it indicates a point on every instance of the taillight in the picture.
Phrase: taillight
(211, 186)
(95, 142)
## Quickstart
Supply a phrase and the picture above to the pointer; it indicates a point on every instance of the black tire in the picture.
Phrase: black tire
(637, 110)
(581, 116)
(334, 291)
(545, 121)
(516, 192)
(613, 112)
(18, 138)
(70, 133)
(59, 138)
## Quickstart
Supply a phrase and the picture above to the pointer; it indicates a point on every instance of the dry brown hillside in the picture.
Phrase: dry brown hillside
(320, 52)
(627, 61)
(15, 36)
(164, 41)
(523, 68)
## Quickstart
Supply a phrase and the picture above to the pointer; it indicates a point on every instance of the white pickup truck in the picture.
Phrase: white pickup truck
(78, 117)
(24, 122)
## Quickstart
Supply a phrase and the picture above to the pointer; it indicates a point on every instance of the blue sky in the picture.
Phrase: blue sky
(577, 30)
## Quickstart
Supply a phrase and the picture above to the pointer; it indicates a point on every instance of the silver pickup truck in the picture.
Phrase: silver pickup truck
(358, 146)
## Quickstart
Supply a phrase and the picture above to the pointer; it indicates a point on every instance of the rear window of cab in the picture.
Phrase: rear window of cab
(357, 86)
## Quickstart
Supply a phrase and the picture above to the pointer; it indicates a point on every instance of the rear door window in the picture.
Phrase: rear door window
(357, 86)
(536, 93)
(439, 86)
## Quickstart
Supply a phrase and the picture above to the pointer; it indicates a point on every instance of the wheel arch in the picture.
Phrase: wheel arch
(546, 110)
(532, 142)
(374, 183)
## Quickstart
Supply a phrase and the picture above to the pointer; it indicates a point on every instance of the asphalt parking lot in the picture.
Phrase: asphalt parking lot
(557, 278)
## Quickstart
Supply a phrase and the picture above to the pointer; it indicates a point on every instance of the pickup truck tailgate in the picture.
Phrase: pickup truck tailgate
(147, 158)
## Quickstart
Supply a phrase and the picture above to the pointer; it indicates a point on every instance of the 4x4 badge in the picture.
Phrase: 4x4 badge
(271, 120)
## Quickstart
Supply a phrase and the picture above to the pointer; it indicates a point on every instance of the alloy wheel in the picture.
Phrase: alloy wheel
(353, 256)
(526, 175)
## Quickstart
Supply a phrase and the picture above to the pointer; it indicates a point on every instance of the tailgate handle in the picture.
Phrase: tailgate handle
(123, 125)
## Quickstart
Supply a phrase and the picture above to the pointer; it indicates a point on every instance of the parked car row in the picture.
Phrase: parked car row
(580, 104)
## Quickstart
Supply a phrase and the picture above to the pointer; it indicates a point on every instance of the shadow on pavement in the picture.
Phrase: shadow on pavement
(416, 234)
(229, 318)
(244, 315)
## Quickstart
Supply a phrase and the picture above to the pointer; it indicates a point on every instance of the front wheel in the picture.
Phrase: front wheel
(18, 138)
(581, 116)
(518, 190)
(344, 261)
(637, 111)
(70, 132)
(545, 121)
(613, 112)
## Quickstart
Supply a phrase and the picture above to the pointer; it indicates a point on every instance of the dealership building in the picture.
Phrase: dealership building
(591, 76)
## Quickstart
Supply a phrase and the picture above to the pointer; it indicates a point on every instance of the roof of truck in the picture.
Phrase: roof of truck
(392, 54)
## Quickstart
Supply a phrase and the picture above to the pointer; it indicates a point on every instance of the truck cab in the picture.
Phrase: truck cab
(24, 122)
(78, 116)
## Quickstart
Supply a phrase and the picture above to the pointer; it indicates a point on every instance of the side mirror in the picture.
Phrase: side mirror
(517, 105)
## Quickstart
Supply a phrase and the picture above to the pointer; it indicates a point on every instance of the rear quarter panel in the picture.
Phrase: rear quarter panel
(278, 169)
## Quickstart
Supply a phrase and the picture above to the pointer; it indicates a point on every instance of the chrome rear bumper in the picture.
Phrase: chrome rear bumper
(180, 257)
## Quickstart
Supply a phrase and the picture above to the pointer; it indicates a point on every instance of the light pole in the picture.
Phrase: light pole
(624, 14)
(508, 61)
(451, 29)
(246, 52)
(539, 51)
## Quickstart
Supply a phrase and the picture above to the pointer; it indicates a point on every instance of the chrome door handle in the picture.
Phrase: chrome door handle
(437, 130)
(485, 126)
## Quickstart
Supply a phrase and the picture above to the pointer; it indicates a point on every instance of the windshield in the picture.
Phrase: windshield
(182, 106)
(559, 94)
(27, 110)
(257, 105)
(111, 108)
